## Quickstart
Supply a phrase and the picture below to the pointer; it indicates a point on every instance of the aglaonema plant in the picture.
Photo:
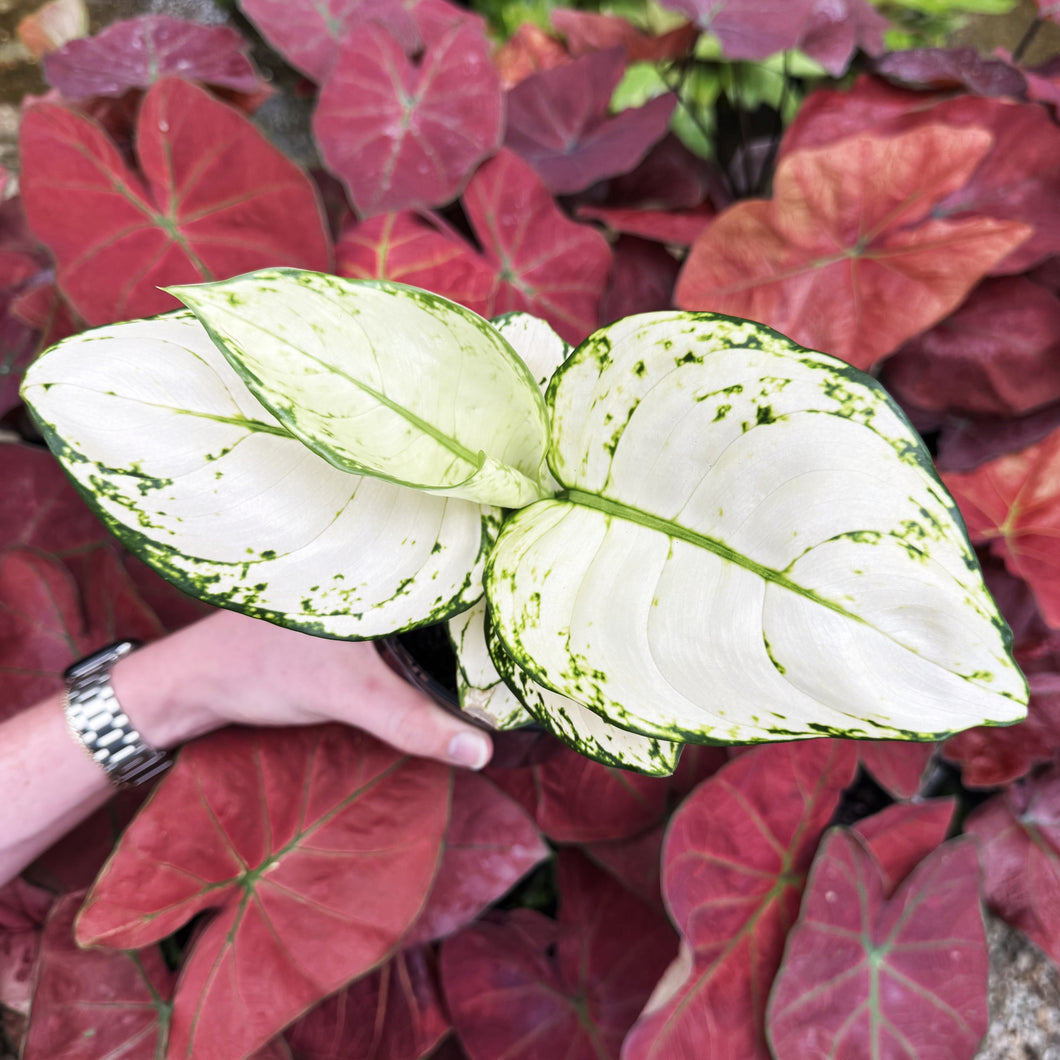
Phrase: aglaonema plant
(698, 532)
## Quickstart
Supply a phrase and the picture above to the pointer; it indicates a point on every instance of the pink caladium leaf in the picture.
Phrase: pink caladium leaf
(588, 31)
(678, 228)
(558, 122)
(135, 53)
(407, 249)
(528, 51)
(998, 354)
(1049, 9)
(576, 800)
(490, 844)
(635, 862)
(902, 835)
(394, 1013)
(898, 766)
(524, 987)
(1013, 504)
(316, 847)
(864, 975)
(1019, 843)
(734, 866)
(309, 33)
(23, 910)
(90, 1004)
(835, 234)
(942, 68)
(545, 264)
(193, 215)
(400, 133)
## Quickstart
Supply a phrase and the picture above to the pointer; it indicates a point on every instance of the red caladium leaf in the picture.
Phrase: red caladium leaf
(754, 29)
(867, 976)
(490, 844)
(316, 847)
(545, 263)
(395, 1013)
(402, 134)
(675, 227)
(558, 122)
(901, 836)
(528, 51)
(999, 353)
(89, 1004)
(587, 31)
(991, 757)
(670, 178)
(43, 307)
(23, 909)
(966, 442)
(194, 216)
(896, 765)
(309, 33)
(1019, 842)
(1049, 9)
(940, 68)
(576, 800)
(837, 235)
(636, 862)
(136, 52)
(403, 247)
(525, 987)
(1013, 504)
(734, 866)
(642, 280)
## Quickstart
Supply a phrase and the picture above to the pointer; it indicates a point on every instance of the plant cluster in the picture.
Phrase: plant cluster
(311, 894)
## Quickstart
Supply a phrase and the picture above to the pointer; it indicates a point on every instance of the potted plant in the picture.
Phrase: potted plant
(689, 529)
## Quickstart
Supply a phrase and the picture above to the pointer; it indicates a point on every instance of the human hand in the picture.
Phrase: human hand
(231, 669)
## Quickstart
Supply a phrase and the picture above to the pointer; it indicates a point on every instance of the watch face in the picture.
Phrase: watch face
(98, 660)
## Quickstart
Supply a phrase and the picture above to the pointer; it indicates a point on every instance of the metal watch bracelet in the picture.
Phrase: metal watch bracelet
(96, 719)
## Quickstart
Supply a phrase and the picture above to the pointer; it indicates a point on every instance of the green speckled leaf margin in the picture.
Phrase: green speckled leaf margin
(580, 728)
(194, 475)
(750, 544)
(384, 379)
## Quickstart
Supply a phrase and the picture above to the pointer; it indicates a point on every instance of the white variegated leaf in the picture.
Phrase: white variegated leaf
(384, 379)
(193, 474)
(541, 349)
(483, 693)
(578, 727)
(751, 543)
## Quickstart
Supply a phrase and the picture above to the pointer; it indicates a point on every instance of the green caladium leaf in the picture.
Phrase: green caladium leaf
(577, 726)
(193, 474)
(383, 379)
(751, 543)
(483, 693)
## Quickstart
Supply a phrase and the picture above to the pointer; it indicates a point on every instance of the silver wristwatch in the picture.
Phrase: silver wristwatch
(96, 719)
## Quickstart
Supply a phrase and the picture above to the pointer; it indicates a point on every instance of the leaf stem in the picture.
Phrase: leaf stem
(1026, 40)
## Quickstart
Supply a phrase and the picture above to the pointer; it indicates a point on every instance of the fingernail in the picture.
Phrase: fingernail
(466, 749)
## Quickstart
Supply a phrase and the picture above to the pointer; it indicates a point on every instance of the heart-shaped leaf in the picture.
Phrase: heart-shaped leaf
(834, 235)
(734, 865)
(863, 976)
(310, 890)
(192, 216)
(897, 765)
(381, 379)
(1013, 505)
(529, 987)
(400, 134)
(135, 53)
(185, 466)
(903, 835)
(23, 910)
(842, 545)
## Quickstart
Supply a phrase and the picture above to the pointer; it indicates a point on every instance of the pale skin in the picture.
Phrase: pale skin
(225, 669)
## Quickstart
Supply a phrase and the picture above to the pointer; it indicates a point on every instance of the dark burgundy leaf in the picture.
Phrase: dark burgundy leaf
(939, 68)
(490, 844)
(545, 263)
(401, 134)
(642, 280)
(734, 867)
(636, 862)
(558, 122)
(998, 354)
(670, 178)
(577, 800)
(966, 442)
(526, 987)
(896, 765)
(867, 976)
(90, 1004)
(901, 836)
(136, 52)
(309, 33)
(394, 1013)
(1019, 842)
(195, 214)
(315, 846)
